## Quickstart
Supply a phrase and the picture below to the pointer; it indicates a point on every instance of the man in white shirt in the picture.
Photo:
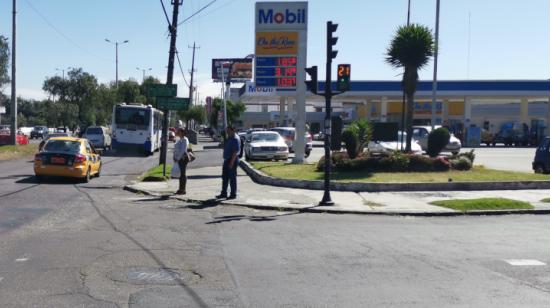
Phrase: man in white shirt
(181, 158)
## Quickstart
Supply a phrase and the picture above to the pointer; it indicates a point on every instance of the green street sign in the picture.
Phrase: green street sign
(162, 90)
(172, 103)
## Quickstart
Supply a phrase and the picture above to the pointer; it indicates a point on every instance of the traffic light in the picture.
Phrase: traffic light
(312, 84)
(344, 72)
(331, 41)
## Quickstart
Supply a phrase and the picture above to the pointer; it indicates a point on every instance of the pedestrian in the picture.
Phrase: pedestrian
(181, 157)
(231, 151)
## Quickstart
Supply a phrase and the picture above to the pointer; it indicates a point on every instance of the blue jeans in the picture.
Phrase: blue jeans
(229, 176)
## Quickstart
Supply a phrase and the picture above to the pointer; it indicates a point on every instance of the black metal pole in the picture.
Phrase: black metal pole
(403, 106)
(327, 200)
(169, 77)
(13, 131)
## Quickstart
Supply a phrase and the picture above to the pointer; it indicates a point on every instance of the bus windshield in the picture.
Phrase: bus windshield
(128, 117)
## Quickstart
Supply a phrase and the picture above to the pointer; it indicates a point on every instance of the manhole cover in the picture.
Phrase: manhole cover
(156, 276)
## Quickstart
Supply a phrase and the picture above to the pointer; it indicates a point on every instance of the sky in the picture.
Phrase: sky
(508, 39)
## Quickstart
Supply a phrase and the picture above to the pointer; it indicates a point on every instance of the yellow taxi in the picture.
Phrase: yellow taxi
(67, 157)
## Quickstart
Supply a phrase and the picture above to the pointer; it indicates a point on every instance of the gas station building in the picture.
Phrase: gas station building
(460, 104)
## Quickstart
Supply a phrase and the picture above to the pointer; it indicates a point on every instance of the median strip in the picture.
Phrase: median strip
(483, 204)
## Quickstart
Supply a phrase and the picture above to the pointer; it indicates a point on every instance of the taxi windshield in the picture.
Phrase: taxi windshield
(62, 146)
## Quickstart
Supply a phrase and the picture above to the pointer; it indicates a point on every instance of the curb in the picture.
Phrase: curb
(264, 179)
(315, 209)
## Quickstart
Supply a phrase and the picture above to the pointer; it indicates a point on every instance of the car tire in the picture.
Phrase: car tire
(86, 179)
(39, 178)
(98, 174)
(307, 153)
(539, 168)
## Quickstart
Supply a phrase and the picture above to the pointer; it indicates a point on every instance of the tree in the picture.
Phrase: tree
(79, 89)
(411, 49)
(4, 61)
(234, 111)
(129, 91)
(195, 113)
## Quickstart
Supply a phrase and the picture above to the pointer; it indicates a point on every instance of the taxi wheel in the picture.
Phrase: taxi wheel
(86, 179)
(39, 178)
(98, 174)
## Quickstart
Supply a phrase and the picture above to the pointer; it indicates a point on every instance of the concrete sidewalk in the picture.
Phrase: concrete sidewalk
(205, 183)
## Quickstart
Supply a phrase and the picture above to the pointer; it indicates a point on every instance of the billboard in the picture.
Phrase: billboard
(241, 69)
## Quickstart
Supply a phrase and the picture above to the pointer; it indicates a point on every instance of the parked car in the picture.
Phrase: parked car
(67, 157)
(98, 136)
(5, 138)
(421, 133)
(266, 145)
(391, 146)
(39, 132)
(289, 133)
(541, 163)
(320, 136)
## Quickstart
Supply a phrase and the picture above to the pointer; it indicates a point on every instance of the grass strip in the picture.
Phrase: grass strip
(155, 174)
(8, 152)
(483, 204)
(476, 174)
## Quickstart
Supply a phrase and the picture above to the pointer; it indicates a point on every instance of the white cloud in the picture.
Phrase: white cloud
(37, 94)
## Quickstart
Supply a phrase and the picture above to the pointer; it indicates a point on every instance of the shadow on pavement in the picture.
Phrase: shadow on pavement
(201, 177)
(47, 180)
(229, 218)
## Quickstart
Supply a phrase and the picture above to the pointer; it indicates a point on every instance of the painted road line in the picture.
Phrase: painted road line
(524, 262)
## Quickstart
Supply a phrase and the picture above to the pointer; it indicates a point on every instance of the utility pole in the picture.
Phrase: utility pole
(116, 43)
(173, 29)
(13, 130)
(191, 81)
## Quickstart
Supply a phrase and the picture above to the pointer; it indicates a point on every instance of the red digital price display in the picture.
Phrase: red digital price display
(285, 71)
(286, 61)
(286, 82)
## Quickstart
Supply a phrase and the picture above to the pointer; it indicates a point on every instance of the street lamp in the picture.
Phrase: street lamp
(225, 94)
(143, 70)
(63, 71)
(116, 56)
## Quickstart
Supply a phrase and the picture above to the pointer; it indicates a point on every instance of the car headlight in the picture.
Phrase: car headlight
(282, 149)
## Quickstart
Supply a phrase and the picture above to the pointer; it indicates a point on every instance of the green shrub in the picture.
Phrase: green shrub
(420, 163)
(462, 163)
(400, 161)
(350, 139)
(437, 140)
(470, 155)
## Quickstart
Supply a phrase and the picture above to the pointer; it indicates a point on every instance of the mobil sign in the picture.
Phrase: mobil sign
(281, 15)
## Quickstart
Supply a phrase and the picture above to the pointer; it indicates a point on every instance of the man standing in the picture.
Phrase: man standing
(230, 161)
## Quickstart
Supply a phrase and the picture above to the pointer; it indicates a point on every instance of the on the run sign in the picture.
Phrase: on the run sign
(281, 15)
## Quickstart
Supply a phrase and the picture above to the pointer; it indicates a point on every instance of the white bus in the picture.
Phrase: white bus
(136, 126)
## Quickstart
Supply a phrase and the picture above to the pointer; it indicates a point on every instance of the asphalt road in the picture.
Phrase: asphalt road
(502, 158)
(95, 245)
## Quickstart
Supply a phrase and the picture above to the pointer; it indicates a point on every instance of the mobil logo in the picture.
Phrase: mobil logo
(287, 16)
(281, 15)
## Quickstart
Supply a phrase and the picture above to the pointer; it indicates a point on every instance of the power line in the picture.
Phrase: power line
(61, 33)
(165, 13)
(197, 12)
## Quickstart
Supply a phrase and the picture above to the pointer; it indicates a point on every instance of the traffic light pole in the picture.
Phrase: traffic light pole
(327, 200)
(169, 77)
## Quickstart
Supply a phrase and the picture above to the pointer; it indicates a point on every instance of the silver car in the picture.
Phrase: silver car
(266, 145)
(421, 133)
(98, 136)
(289, 135)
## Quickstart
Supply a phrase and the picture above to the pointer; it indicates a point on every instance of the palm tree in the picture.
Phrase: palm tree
(411, 48)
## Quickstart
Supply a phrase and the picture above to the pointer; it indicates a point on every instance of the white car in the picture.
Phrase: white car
(289, 135)
(390, 146)
(421, 133)
(98, 136)
(266, 145)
